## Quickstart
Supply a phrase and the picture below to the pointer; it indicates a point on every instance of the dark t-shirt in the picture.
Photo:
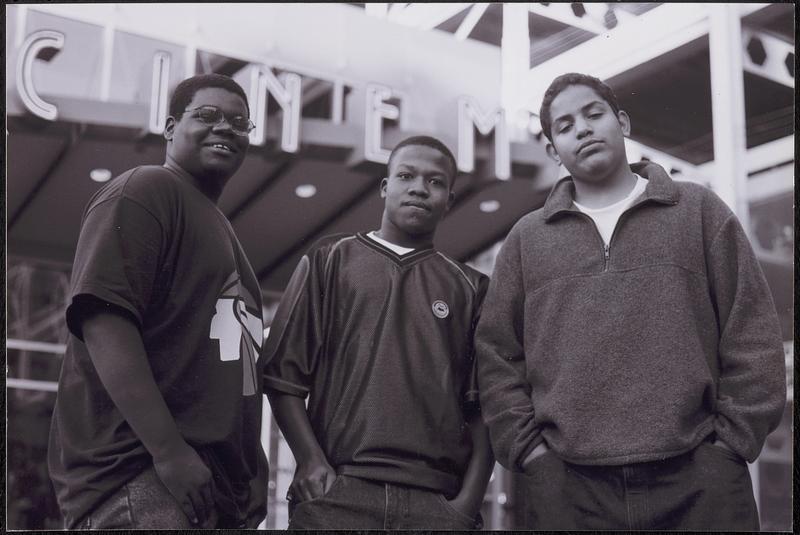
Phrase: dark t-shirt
(382, 344)
(155, 246)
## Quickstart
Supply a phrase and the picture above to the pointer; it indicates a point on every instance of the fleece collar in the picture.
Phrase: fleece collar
(660, 188)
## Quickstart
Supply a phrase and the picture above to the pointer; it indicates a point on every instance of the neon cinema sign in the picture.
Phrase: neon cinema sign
(286, 89)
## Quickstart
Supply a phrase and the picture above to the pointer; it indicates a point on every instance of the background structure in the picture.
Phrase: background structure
(710, 89)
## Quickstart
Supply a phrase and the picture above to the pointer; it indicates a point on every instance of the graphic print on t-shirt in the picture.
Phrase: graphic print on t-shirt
(238, 327)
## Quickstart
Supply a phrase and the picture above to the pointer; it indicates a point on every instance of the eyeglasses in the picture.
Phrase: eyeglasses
(211, 115)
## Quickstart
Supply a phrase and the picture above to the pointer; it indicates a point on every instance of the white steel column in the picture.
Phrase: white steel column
(109, 31)
(22, 22)
(515, 57)
(727, 105)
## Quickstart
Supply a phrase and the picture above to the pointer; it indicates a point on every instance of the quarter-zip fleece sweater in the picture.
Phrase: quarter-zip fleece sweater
(633, 353)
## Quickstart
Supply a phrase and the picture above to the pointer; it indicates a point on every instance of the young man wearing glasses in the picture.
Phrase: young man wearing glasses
(158, 415)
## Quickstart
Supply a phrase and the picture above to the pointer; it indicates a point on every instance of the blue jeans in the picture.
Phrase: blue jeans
(706, 489)
(355, 503)
(142, 503)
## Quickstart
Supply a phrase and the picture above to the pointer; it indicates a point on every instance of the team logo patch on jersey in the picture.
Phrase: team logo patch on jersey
(440, 309)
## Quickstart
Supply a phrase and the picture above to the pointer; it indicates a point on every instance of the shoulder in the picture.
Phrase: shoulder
(530, 221)
(147, 185)
(531, 226)
(703, 193)
(701, 203)
(327, 244)
(691, 190)
(152, 183)
(474, 278)
(331, 241)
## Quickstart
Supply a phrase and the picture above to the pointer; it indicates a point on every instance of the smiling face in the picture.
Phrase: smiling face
(417, 194)
(210, 153)
(588, 137)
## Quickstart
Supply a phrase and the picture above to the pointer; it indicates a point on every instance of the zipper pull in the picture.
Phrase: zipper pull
(605, 256)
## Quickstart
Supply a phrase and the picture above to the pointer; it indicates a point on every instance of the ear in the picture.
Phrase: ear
(624, 122)
(384, 183)
(450, 198)
(169, 128)
(551, 151)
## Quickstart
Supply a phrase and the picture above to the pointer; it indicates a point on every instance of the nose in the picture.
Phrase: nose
(223, 126)
(418, 187)
(582, 128)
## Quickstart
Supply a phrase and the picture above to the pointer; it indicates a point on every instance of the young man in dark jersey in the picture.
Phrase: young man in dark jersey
(629, 354)
(158, 414)
(376, 330)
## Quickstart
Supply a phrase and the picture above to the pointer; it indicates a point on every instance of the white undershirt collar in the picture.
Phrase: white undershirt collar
(393, 246)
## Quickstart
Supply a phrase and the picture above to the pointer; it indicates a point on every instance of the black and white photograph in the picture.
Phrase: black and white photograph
(400, 266)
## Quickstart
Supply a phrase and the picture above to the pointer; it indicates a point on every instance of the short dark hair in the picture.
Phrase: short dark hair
(427, 141)
(564, 81)
(185, 91)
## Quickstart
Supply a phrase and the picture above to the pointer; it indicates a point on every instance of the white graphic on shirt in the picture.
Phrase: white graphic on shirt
(238, 328)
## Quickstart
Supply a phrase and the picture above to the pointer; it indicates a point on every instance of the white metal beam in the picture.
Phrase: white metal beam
(39, 347)
(623, 16)
(771, 184)
(748, 8)
(27, 384)
(563, 13)
(763, 156)
(376, 9)
(22, 19)
(396, 8)
(776, 53)
(636, 151)
(109, 31)
(727, 109)
(172, 23)
(770, 154)
(757, 159)
(427, 16)
(471, 20)
(626, 46)
(656, 32)
(593, 21)
(515, 59)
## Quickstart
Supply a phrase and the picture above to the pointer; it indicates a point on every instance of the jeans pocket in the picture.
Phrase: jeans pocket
(114, 513)
(294, 503)
(462, 517)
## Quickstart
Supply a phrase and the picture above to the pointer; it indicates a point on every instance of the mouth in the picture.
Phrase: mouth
(223, 146)
(587, 145)
(418, 205)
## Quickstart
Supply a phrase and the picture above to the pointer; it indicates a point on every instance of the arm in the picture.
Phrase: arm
(479, 469)
(313, 475)
(751, 392)
(505, 392)
(117, 264)
(292, 350)
(117, 352)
